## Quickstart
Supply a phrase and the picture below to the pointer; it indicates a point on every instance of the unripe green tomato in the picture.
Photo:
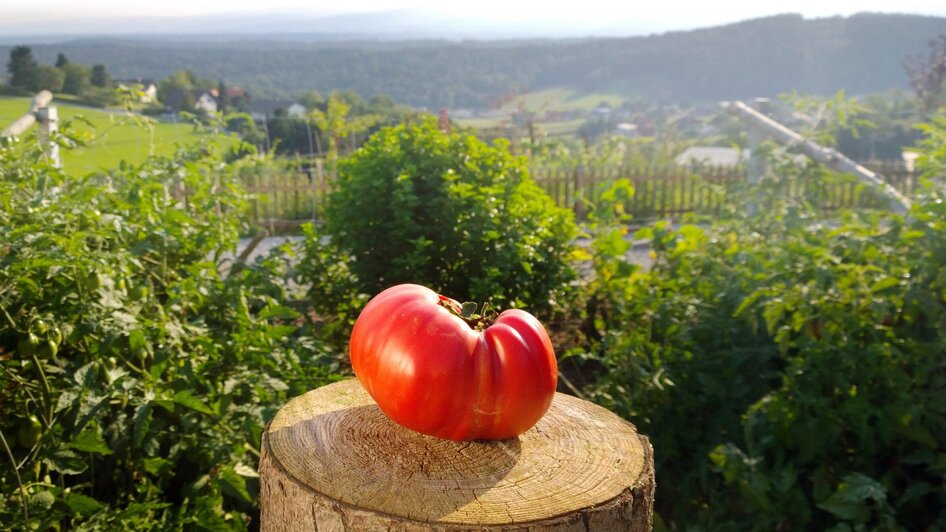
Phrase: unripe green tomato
(27, 345)
(49, 348)
(29, 432)
(39, 326)
(93, 282)
(141, 353)
(139, 292)
(55, 335)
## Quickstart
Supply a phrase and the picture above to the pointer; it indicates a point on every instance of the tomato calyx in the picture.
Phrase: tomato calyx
(467, 311)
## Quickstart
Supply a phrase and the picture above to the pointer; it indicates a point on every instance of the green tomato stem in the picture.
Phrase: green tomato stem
(467, 312)
(19, 481)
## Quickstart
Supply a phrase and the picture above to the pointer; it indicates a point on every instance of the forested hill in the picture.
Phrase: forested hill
(761, 57)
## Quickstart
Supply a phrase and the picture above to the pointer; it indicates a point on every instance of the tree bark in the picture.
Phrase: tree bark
(331, 460)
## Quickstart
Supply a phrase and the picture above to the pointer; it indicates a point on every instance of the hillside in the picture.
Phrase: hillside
(761, 57)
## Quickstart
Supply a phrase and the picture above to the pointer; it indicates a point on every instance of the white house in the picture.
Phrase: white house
(296, 110)
(205, 102)
(627, 130)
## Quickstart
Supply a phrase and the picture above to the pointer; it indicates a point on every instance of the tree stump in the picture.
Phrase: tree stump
(331, 460)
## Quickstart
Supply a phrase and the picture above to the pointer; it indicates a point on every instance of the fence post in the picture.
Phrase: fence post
(579, 208)
(48, 118)
(318, 188)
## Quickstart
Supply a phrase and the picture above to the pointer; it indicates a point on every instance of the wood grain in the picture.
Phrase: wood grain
(331, 455)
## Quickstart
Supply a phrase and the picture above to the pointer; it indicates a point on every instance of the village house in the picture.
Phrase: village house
(264, 108)
(203, 101)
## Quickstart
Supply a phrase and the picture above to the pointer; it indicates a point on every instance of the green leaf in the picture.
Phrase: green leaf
(156, 466)
(773, 313)
(234, 484)
(186, 399)
(885, 283)
(851, 501)
(66, 462)
(81, 504)
(87, 374)
(246, 471)
(90, 441)
(919, 434)
(66, 400)
(142, 423)
(278, 311)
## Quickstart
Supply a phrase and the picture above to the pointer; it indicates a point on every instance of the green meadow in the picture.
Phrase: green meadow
(541, 102)
(111, 136)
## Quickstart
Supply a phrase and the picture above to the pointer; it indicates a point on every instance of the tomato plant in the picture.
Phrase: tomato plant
(436, 367)
(138, 365)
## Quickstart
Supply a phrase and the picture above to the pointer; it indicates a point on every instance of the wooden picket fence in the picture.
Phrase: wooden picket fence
(669, 191)
(283, 200)
(662, 191)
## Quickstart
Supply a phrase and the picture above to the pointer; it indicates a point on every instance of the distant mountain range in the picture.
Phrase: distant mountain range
(762, 57)
(391, 24)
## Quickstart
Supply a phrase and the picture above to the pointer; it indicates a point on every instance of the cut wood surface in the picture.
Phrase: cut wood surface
(332, 460)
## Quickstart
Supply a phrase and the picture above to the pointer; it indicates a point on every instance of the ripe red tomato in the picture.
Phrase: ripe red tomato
(431, 371)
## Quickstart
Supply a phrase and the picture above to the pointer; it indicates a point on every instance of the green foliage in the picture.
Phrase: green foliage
(336, 125)
(75, 78)
(48, 78)
(136, 376)
(932, 160)
(100, 77)
(446, 210)
(21, 67)
(789, 369)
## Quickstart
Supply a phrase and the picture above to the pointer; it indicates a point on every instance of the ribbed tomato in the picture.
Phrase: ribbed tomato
(433, 371)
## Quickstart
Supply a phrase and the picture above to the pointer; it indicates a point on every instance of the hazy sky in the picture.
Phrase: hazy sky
(597, 16)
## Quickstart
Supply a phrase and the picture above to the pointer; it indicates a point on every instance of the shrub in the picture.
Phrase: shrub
(446, 210)
(136, 376)
(788, 368)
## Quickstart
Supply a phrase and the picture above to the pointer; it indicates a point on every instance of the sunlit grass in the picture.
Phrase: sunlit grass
(115, 136)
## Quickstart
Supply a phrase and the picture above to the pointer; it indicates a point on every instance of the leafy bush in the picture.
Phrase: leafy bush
(446, 210)
(789, 369)
(136, 376)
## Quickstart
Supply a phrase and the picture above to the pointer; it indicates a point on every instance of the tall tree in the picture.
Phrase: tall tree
(223, 96)
(21, 67)
(76, 78)
(312, 100)
(100, 77)
(47, 77)
(61, 60)
(335, 123)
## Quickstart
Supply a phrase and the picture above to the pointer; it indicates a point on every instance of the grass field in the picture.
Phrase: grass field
(566, 100)
(541, 102)
(114, 136)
